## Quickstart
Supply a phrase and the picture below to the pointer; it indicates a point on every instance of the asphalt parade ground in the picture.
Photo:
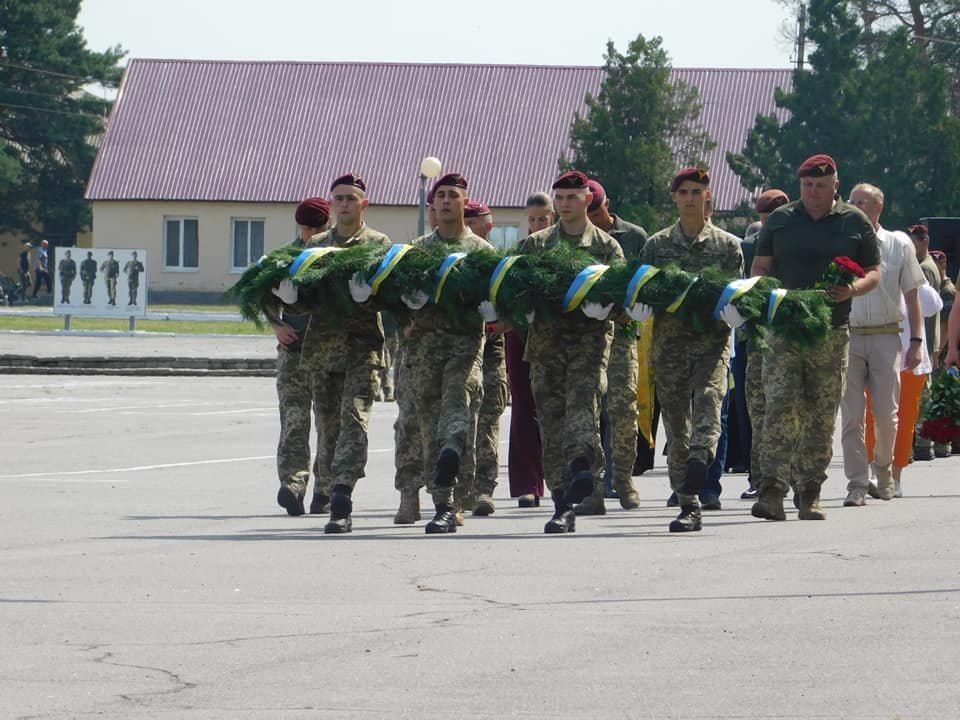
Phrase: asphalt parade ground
(146, 572)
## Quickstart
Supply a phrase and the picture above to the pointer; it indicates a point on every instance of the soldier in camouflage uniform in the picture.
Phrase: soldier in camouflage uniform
(88, 276)
(568, 362)
(345, 355)
(803, 389)
(691, 364)
(132, 269)
(295, 386)
(407, 447)
(442, 356)
(111, 271)
(619, 409)
(67, 269)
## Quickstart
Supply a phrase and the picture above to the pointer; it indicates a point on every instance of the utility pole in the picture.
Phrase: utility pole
(801, 34)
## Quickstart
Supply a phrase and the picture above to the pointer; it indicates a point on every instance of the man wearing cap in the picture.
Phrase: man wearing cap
(345, 354)
(618, 414)
(874, 361)
(111, 271)
(88, 276)
(480, 481)
(295, 386)
(691, 366)
(67, 269)
(803, 389)
(442, 358)
(42, 268)
(751, 382)
(568, 361)
(23, 270)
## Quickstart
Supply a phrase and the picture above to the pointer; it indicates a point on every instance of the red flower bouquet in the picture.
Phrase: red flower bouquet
(841, 271)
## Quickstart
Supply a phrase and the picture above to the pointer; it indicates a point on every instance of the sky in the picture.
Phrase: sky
(730, 33)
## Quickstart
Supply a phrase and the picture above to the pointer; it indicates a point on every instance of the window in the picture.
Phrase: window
(247, 243)
(504, 237)
(181, 244)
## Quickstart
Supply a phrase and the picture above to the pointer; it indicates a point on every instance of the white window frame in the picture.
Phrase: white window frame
(234, 269)
(179, 219)
(504, 227)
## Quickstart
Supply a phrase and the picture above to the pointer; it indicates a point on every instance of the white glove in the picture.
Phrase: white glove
(487, 311)
(731, 316)
(596, 310)
(639, 312)
(360, 291)
(530, 316)
(415, 301)
(287, 292)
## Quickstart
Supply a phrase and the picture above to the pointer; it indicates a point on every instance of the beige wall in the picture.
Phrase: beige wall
(10, 246)
(141, 224)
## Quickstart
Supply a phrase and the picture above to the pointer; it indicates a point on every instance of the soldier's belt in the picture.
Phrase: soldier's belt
(888, 329)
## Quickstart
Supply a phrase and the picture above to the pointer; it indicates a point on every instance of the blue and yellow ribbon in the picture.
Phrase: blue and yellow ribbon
(675, 305)
(773, 304)
(733, 291)
(641, 277)
(499, 273)
(389, 262)
(444, 272)
(581, 285)
(308, 257)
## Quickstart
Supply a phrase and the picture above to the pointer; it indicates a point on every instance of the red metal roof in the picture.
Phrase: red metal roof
(279, 131)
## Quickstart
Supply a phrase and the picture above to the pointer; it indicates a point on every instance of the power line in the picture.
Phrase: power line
(50, 110)
(34, 92)
(7, 63)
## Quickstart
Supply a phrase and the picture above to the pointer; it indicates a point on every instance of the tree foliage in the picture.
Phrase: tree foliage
(48, 122)
(883, 115)
(637, 131)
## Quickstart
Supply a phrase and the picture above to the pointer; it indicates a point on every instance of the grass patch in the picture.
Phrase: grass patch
(152, 307)
(167, 326)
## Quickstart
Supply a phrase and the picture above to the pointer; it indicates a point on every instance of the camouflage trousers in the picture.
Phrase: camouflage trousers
(480, 476)
(756, 400)
(342, 401)
(691, 373)
(803, 391)
(407, 448)
(622, 373)
(568, 375)
(442, 378)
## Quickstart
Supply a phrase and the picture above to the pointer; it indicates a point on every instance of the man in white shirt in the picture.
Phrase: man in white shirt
(874, 355)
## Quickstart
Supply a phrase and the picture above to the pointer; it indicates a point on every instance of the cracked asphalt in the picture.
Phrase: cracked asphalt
(146, 572)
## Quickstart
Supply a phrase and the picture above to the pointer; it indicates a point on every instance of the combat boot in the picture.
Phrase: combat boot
(564, 520)
(320, 505)
(341, 506)
(291, 500)
(484, 505)
(627, 492)
(885, 486)
(458, 512)
(409, 510)
(593, 504)
(769, 505)
(581, 481)
(444, 521)
(688, 520)
(810, 505)
(695, 477)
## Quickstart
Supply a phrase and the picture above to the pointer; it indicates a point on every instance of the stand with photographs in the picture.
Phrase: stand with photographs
(100, 282)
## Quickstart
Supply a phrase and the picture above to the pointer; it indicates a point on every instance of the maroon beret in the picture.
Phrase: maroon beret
(697, 175)
(599, 195)
(453, 179)
(430, 197)
(312, 212)
(817, 166)
(475, 208)
(919, 231)
(573, 180)
(349, 179)
(770, 200)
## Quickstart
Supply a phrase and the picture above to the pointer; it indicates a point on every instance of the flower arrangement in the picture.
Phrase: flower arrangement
(941, 417)
(841, 271)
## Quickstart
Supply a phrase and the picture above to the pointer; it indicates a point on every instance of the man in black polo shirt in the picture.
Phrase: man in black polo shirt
(803, 389)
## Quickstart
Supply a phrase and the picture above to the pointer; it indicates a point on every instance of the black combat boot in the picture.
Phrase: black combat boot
(580, 486)
(320, 505)
(341, 506)
(695, 478)
(444, 522)
(688, 520)
(291, 500)
(448, 468)
(564, 520)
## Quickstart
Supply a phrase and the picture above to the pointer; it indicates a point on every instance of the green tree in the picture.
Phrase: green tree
(48, 122)
(637, 131)
(884, 116)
